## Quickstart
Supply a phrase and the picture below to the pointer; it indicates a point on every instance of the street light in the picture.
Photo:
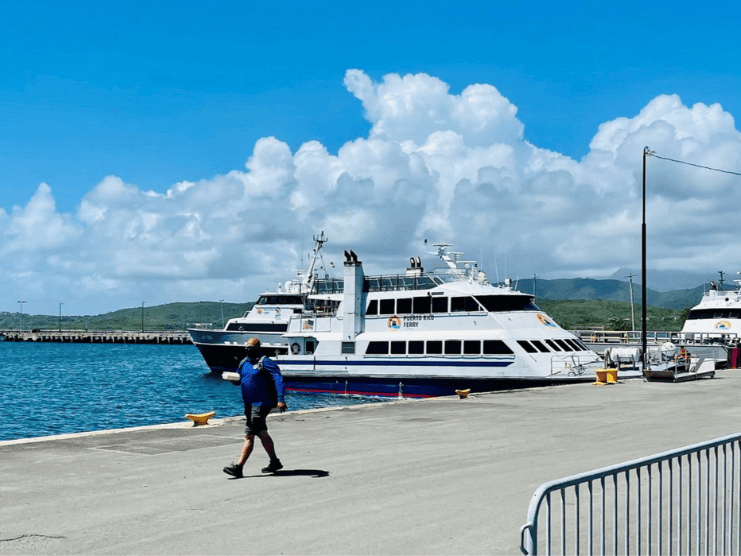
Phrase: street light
(644, 346)
(143, 302)
(20, 324)
(60, 316)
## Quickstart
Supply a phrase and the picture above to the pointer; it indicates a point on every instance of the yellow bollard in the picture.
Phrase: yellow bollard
(200, 418)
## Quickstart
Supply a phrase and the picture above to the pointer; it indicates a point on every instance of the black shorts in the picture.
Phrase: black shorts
(256, 415)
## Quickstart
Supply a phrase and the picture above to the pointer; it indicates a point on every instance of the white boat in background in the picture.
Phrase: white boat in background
(718, 315)
(267, 320)
(426, 333)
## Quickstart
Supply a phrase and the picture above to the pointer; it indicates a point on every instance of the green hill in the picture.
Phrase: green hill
(610, 290)
(573, 303)
(172, 316)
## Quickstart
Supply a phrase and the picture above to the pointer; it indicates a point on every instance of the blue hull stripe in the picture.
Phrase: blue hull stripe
(391, 363)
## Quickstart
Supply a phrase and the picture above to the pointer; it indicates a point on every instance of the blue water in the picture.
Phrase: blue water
(51, 388)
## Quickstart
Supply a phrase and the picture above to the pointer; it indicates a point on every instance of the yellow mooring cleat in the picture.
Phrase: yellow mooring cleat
(200, 418)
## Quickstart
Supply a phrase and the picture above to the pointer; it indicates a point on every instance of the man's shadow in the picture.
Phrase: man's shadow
(315, 473)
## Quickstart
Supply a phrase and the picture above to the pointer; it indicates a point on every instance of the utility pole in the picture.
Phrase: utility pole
(143, 302)
(60, 316)
(535, 286)
(632, 313)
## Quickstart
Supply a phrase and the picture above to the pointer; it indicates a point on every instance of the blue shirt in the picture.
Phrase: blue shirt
(256, 387)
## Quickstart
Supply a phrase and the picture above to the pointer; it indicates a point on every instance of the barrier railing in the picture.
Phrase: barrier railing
(683, 501)
(655, 337)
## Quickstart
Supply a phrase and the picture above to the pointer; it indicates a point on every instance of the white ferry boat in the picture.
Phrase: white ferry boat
(717, 316)
(426, 334)
(267, 320)
(713, 326)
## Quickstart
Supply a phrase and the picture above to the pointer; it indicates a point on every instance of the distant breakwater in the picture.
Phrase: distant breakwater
(98, 336)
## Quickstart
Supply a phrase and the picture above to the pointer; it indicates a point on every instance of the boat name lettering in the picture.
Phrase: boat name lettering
(413, 320)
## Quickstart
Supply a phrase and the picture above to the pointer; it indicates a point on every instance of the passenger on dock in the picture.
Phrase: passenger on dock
(262, 390)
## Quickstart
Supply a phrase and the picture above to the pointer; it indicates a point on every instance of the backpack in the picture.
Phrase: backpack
(269, 382)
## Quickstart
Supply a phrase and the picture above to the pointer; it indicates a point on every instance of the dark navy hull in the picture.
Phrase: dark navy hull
(405, 386)
(222, 358)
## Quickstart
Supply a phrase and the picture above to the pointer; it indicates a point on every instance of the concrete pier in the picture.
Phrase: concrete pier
(98, 336)
(436, 476)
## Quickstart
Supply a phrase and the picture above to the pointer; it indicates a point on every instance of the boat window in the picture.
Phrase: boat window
(564, 345)
(280, 300)
(310, 347)
(422, 305)
(398, 348)
(439, 304)
(463, 304)
(582, 345)
(452, 347)
(377, 348)
(387, 307)
(416, 347)
(372, 307)
(496, 347)
(527, 346)
(404, 306)
(472, 347)
(266, 327)
(701, 314)
(348, 347)
(553, 345)
(434, 347)
(540, 346)
(573, 344)
(502, 303)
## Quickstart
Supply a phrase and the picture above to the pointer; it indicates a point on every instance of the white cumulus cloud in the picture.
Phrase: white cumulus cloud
(455, 168)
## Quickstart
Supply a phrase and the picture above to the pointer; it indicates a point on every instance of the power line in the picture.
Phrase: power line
(652, 153)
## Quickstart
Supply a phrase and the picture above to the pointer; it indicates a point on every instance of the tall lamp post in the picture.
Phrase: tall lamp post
(644, 345)
(143, 302)
(20, 323)
(60, 316)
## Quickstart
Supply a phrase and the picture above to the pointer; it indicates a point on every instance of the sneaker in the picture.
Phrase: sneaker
(234, 470)
(274, 466)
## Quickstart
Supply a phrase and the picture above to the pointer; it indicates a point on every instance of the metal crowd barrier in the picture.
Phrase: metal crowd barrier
(683, 501)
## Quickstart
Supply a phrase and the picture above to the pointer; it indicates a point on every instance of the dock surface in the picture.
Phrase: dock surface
(435, 476)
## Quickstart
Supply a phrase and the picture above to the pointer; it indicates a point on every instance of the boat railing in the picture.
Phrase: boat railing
(384, 283)
(573, 364)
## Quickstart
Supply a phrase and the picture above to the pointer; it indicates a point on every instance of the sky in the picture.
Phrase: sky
(160, 151)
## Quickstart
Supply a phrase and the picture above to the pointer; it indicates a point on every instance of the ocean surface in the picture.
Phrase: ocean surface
(53, 388)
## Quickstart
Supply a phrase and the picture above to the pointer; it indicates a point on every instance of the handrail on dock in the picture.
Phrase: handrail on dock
(684, 501)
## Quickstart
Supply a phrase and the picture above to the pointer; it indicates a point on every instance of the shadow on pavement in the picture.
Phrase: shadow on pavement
(316, 473)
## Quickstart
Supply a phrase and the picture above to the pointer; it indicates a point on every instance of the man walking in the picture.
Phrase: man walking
(262, 390)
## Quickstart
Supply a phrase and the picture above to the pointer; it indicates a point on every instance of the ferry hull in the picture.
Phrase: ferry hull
(222, 358)
(413, 387)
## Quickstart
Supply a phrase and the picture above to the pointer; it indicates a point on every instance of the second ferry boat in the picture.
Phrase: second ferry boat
(426, 333)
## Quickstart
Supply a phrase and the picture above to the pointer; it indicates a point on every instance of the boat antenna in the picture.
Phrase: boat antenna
(496, 269)
(720, 282)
